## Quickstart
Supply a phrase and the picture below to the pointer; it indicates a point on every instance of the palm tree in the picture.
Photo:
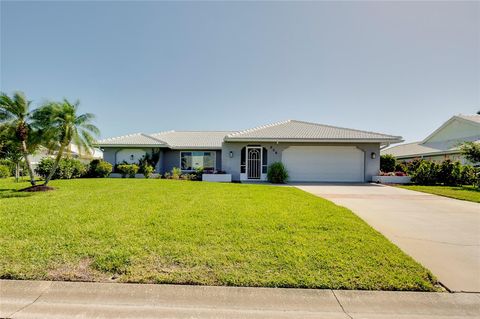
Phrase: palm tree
(15, 119)
(60, 126)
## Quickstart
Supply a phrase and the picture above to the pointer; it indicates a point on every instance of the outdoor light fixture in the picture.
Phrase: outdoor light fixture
(131, 157)
(373, 155)
(230, 154)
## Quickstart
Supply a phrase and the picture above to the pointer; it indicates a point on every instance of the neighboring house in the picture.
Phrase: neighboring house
(311, 152)
(443, 143)
(72, 151)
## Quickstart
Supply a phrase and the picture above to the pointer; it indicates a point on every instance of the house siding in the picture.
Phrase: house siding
(274, 154)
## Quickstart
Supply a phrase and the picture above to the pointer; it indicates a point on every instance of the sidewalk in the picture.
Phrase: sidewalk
(44, 299)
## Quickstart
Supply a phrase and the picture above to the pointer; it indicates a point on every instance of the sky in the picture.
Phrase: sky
(400, 68)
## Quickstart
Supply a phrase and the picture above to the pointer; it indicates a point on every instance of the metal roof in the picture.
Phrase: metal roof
(192, 139)
(137, 139)
(286, 131)
(306, 131)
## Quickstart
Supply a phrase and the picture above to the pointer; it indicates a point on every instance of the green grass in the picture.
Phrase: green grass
(165, 231)
(469, 193)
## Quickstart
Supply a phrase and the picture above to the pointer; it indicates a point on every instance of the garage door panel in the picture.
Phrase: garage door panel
(324, 163)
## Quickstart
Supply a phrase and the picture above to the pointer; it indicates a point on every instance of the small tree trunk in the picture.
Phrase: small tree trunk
(27, 161)
(55, 164)
(17, 168)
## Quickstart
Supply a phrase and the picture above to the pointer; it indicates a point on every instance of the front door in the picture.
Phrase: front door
(254, 162)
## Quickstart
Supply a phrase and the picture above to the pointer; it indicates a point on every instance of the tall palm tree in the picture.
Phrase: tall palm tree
(60, 126)
(15, 119)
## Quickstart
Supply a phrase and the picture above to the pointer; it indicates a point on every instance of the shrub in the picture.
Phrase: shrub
(127, 169)
(44, 167)
(9, 164)
(176, 173)
(99, 168)
(147, 170)
(68, 168)
(4, 171)
(426, 173)
(446, 173)
(469, 175)
(413, 165)
(277, 173)
(401, 167)
(387, 163)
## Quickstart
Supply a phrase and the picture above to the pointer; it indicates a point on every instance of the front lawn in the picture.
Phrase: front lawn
(165, 231)
(469, 193)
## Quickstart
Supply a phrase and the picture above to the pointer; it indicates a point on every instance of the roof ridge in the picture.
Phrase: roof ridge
(153, 138)
(343, 128)
(259, 128)
(121, 136)
(163, 132)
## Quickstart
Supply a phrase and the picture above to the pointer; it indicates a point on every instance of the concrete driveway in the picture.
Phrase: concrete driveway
(441, 233)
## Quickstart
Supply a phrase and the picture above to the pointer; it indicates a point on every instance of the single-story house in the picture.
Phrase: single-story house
(443, 143)
(311, 152)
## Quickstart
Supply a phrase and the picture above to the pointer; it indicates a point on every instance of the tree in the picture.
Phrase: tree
(471, 151)
(60, 125)
(15, 120)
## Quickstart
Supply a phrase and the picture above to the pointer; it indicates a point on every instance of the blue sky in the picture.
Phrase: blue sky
(392, 67)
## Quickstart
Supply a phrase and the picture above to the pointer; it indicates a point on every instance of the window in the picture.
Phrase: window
(190, 161)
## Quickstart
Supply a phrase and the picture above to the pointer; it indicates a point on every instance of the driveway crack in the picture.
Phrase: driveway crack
(341, 306)
(28, 305)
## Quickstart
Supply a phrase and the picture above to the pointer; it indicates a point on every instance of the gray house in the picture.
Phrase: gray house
(311, 152)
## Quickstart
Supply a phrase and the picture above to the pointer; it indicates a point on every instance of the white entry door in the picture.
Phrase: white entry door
(324, 163)
(254, 162)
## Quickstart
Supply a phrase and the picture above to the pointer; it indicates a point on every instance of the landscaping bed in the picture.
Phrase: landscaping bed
(182, 232)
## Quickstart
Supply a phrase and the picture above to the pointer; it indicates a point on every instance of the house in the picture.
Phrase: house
(443, 143)
(311, 152)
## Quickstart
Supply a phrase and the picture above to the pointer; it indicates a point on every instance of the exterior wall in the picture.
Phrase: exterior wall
(110, 154)
(171, 159)
(274, 154)
(168, 158)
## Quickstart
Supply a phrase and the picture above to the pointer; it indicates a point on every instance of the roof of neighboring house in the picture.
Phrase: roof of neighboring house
(416, 149)
(137, 139)
(293, 130)
(192, 139)
(427, 147)
(470, 117)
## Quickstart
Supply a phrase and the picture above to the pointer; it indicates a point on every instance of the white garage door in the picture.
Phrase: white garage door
(324, 163)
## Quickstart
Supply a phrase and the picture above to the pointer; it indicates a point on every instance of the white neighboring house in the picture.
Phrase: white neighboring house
(96, 153)
(443, 143)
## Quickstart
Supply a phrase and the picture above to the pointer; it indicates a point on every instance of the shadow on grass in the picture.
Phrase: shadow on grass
(12, 193)
(467, 188)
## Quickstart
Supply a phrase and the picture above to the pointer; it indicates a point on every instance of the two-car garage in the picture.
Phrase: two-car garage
(324, 163)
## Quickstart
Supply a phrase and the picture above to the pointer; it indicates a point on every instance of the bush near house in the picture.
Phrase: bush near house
(147, 170)
(127, 170)
(68, 168)
(277, 173)
(99, 168)
(447, 173)
(4, 171)
(387, 163)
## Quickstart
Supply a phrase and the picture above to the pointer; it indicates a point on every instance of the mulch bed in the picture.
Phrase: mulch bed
(37, 188)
